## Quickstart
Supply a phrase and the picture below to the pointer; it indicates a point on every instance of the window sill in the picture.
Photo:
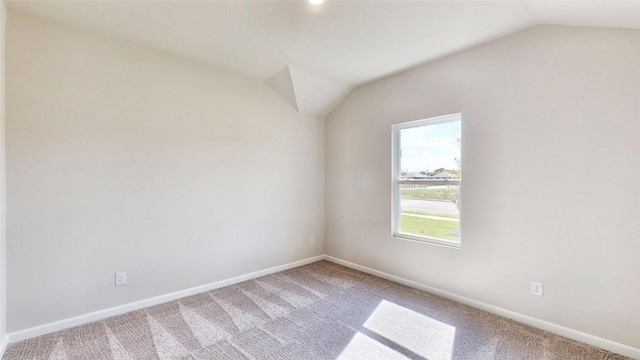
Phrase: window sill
(430, 241)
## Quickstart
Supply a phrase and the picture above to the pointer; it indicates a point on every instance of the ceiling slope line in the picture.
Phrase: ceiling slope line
(309, 94)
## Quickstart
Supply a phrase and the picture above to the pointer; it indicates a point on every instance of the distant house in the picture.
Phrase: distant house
(443, 175)
(414, 176)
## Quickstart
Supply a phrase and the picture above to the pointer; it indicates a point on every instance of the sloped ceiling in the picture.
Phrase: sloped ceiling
(328, 49)
(308, 93)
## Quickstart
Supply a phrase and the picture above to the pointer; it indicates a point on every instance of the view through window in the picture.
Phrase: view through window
(426, 179)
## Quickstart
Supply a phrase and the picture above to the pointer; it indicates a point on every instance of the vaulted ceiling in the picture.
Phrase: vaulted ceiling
(322, 51)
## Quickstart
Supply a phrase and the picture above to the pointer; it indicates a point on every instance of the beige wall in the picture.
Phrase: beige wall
(123, 158)
(551, 158)
(3, 203)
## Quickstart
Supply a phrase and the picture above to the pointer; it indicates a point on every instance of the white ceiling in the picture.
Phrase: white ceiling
(345, 42)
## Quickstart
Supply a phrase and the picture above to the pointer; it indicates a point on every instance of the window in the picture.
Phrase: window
(426, 180)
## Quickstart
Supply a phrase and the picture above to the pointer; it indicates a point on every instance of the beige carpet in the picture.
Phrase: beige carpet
(318, 311)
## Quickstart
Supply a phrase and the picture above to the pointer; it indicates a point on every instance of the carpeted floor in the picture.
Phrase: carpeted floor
(318, 311)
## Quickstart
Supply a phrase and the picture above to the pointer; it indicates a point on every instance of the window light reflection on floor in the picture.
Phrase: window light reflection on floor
(418, 333)
(362, 347)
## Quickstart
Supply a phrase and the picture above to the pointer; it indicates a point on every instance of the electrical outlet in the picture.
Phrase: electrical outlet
(312, 241)
(121, 278)
(536, 288)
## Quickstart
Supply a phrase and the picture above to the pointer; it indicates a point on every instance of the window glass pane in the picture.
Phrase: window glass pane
(430, 211)
(430, 152)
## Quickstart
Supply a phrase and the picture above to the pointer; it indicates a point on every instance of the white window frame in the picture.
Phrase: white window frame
(396, 182)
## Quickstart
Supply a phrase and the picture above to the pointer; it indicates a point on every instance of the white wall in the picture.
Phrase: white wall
(551, 160)
(123, 158)
(3, 203)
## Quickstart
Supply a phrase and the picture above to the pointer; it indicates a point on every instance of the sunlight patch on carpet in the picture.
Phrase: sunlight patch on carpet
(418, 333)
(362, 347)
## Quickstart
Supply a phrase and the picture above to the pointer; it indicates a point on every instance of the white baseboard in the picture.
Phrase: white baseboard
(3, 345)
(103, 314)
(596, 341)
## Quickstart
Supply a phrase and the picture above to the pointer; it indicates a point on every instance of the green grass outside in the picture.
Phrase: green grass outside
(448, 194)
(440, 229)
(450, 216)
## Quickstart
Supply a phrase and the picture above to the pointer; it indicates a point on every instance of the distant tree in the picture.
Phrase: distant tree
(424, 172)
(458, 161)
(436, 171)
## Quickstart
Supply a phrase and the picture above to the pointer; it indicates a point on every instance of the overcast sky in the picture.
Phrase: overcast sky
(430, 147)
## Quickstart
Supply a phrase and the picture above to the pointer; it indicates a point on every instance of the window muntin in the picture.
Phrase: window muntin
(426, 178)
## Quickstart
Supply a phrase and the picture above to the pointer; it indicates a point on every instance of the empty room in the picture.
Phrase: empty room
(319, 179)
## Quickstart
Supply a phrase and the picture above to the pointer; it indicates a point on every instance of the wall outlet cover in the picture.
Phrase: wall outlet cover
(121, 278)
(536, 288)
